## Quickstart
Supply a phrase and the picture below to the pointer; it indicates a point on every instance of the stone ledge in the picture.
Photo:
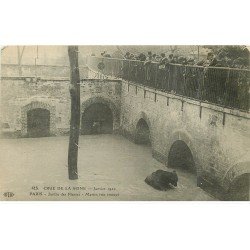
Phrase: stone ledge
(234, 112)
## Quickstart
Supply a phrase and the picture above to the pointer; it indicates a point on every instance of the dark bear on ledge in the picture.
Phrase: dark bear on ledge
(162, 180)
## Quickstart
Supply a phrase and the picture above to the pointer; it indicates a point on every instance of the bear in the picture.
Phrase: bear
(162, 180)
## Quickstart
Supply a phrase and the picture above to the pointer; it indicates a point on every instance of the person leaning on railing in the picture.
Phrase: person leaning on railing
(127, 55)
(162, 70)
(154, 58)
(148, 68)
(171, 58)
(141, 57)
(211, 61)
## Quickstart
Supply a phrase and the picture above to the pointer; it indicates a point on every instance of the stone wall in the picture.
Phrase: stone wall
(41, 70)
(18, 96)
(217, 137)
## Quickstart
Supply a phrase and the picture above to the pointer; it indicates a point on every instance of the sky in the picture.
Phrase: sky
(57, 55)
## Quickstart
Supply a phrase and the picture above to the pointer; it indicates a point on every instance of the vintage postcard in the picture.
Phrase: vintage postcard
(130, 123)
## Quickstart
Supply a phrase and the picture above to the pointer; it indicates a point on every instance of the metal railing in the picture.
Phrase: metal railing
(227, 87)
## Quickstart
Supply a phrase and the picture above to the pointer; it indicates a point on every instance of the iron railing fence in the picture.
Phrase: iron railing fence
(227, 87)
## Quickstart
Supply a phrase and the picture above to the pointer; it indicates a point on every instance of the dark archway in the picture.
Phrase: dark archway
(180, 156)
(97, 119)
(239, 189)
(38, 122)
(142, 135)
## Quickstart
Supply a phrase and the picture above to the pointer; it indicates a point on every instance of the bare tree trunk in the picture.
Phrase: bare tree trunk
(75, 112)
(19, 60)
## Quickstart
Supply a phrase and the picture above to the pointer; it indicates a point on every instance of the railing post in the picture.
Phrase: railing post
(129, 71)
(199, 80)
(169, 90)
(156, 75)
(201, 88)
(184, 86)
(228, 92)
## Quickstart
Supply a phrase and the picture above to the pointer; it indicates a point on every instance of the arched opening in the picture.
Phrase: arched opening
(38, 122)
(142, 133)
(97, 119)
(240, 189)
(180, 156)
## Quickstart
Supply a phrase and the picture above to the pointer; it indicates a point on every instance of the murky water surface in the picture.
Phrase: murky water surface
(110, 168)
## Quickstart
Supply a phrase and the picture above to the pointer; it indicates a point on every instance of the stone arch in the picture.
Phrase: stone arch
(182, 140)
(142, 135)
(235, 172)
(142, 116)
(38, 105)
(108, 103)
(236, 182)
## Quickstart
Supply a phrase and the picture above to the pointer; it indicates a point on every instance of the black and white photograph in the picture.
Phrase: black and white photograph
(124, 125)
(129, 123)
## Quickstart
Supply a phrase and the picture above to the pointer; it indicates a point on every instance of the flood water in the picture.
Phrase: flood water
(110, 167)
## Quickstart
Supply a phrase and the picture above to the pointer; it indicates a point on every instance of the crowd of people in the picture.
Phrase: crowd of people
(216, 88)
(211, 60)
